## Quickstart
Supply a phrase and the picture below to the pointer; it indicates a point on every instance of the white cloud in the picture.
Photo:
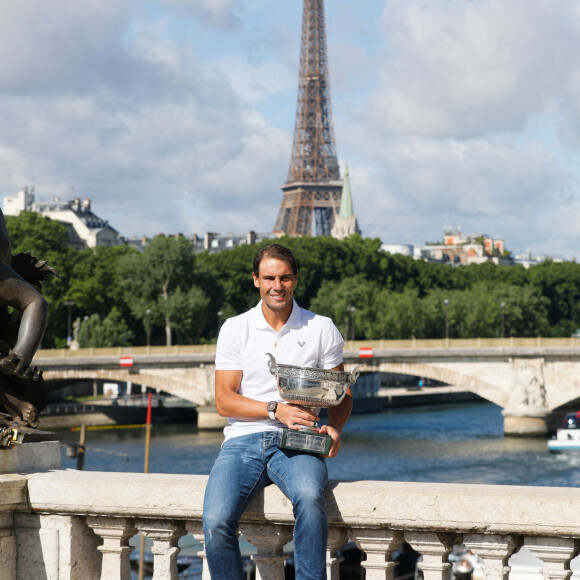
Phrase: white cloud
(175, 115)
(458, 68)
(61, 46)
(153, 137)
(418, 185)
(221, 14)
(471, 123)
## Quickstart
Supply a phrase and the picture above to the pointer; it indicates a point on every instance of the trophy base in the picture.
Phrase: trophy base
(305, 441)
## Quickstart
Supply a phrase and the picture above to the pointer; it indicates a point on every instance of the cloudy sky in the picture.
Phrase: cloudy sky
(177, 115)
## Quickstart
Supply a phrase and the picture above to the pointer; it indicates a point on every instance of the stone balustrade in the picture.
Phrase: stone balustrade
(76, 525)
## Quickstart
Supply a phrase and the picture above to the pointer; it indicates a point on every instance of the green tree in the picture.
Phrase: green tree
(226, 277)
(46, 239)
(397, 315)
(161, 279)
(192, 308)
(96, 333)
(95, 284)
(560, 284)
(337, 299)
(476, 312)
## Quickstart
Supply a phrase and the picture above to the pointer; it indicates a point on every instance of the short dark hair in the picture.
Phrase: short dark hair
(278, 252)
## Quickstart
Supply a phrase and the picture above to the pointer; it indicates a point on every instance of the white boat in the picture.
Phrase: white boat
(568, 437)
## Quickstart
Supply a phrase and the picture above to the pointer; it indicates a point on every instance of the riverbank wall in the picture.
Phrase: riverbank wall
(111, 412)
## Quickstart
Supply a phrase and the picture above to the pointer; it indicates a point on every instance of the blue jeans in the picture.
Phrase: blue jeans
(245, 466)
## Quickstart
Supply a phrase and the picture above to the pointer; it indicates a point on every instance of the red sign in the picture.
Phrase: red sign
(126, 361)
(365, 352)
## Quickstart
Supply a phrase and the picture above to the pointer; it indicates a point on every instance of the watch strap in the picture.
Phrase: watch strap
(272, 406)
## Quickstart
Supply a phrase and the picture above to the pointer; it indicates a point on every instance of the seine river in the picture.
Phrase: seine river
(460, 442)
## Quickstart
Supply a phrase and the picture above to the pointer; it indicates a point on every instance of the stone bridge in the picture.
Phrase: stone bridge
(530, 379)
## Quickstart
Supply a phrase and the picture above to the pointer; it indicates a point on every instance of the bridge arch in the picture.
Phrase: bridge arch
(451, 376)
(191, 384)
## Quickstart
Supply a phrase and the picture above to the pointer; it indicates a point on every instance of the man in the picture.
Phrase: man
(246, 393)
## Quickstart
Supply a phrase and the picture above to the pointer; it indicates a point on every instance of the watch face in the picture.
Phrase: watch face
(272, 406)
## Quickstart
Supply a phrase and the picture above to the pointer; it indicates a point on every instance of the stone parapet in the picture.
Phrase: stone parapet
(82, 523)
(489, 509)
(12, 492)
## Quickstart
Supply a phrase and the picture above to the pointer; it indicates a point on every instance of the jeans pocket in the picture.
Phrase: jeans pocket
(271, 439)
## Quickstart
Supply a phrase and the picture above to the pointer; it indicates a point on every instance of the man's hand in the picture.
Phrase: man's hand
(337, 418)
(295, 416)
(335, 435)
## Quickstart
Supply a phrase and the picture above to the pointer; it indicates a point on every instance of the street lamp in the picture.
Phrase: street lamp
(502, 304)
(220, 314)
(446, 302)
(148, 313)
(352, 309)
(69, 304)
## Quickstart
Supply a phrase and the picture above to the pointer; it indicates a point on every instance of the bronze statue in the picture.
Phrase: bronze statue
(23, 392)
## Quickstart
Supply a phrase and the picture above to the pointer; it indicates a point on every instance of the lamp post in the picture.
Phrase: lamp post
(446, 302)
(148, 313)
(220, 314)
(352, 309)
(69, 304)
(502, 304)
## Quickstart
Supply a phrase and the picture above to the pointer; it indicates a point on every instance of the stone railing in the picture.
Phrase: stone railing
(350, 345)
(76, 525)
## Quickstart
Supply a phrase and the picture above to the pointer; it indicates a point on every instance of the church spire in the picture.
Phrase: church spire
(346, 223)
(346, 200)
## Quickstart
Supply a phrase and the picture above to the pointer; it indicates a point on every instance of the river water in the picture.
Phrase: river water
(461, 442)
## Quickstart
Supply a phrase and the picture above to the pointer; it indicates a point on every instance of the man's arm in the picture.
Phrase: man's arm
(229, 403)
(337, 418)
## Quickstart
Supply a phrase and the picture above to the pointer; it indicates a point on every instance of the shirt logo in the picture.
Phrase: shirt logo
(300, 343)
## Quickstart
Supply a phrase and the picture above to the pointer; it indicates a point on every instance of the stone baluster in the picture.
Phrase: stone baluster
(495, 551)
(337, 538)
(195, 528)
(378, 545)
(268, 539)
(115, 533)
(7, 548)
(555, 553)
(165, 535)
(435, 548)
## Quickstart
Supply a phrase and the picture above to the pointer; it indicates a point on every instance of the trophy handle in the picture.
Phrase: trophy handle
(354, 374)
(272, 366)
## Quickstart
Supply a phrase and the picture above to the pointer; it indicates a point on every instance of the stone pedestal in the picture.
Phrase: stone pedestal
(40, 451)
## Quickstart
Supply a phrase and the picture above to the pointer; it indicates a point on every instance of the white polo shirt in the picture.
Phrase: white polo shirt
(306, 340)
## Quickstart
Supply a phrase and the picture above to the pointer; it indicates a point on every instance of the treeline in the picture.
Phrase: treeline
(122, 296)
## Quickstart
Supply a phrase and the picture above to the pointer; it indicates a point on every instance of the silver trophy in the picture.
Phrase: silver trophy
(311, 388)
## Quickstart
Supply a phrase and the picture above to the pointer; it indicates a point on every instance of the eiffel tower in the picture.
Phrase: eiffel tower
(313, 185)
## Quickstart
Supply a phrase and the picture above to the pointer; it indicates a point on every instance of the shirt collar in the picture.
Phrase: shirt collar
(295, 320)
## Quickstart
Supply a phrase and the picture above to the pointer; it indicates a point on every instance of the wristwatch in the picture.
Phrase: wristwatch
(272, 406)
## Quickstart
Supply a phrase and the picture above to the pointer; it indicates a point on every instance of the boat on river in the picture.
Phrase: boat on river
(567, 438)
